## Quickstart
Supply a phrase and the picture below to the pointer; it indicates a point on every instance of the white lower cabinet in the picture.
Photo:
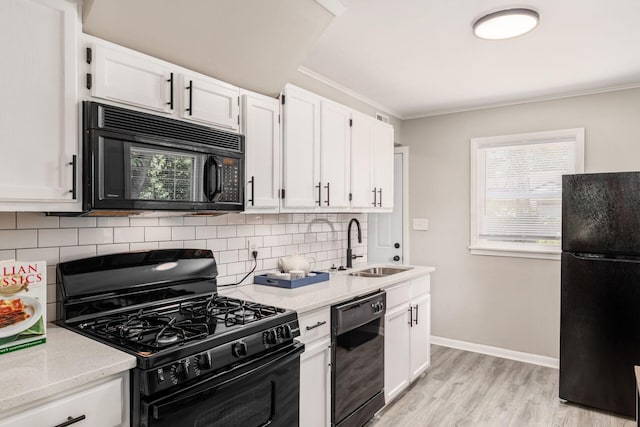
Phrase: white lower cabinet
(103, 405)
(315, 368)
(407, 323)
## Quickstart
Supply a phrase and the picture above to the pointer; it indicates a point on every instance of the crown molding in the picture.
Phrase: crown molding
(524, 101)
(334, 6)
(346, 91)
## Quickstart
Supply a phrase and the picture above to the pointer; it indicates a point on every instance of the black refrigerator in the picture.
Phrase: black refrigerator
(600, 290)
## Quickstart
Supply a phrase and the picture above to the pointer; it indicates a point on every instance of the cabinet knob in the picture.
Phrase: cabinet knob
(396, 258)
(396, 245)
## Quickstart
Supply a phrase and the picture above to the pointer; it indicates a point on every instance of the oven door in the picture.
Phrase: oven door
(263, 392)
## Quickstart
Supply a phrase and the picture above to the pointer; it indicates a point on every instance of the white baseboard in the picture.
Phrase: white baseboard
(504, 353)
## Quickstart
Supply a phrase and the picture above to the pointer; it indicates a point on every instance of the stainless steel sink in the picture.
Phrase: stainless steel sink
(379, 271)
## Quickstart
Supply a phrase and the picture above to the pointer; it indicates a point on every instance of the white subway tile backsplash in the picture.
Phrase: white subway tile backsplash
(183, 233)
(195, 220)
(172, 221)
(93, 236)
(113, 222)
(112, 249)
(143, 222)
(50, 255)
(36, 220)
(156, 234)
(35, 236)
(128, 234)
(236, 219)
(226, 231)
(14, 239)
(57, 237)
(7, 220)
(143, 246)
(70, 253)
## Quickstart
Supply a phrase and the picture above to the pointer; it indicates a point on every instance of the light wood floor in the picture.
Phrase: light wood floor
(470, 389)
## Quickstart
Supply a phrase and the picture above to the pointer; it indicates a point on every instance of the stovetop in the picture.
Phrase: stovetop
(168, 327)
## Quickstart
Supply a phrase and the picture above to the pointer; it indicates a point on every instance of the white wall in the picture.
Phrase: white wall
(35, 237)
(512, 303)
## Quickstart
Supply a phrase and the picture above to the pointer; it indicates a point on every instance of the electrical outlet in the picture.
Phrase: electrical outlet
(421, 224)
(252, 246)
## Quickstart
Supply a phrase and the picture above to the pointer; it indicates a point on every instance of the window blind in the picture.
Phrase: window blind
(520, 189)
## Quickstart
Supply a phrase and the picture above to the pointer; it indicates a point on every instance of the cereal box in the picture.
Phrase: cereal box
(23, 304)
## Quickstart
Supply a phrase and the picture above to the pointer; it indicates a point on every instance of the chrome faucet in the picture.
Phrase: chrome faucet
(350, 256)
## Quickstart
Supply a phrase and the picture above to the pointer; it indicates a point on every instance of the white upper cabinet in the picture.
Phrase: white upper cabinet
(335, 155)
(39, 116)
(261, 128)
(362, 162)
(124, 76)
(210, 102)
(383, 164)
(301, 150)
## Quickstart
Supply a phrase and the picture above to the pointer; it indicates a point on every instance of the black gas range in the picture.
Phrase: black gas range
(202, 359)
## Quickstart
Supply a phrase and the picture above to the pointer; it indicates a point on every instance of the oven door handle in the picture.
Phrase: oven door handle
(160, 408)
(212, 170)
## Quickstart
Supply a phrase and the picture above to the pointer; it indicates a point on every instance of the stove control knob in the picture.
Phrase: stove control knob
(239, 349)
(270, 337)
(204, 361)
(279, 331)
(182, 370)
(287, 332)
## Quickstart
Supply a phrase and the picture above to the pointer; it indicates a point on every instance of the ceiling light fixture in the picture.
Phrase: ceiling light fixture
(506, 24)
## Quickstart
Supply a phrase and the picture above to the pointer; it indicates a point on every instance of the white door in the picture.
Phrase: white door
(262, 142)
(315, 385)
(335, 152)
(132, 78)
(396, 354)
(361, 156)
(420, 353)
(385, 230)
(383, 164)
(39, 115)
(301, 150)
(210, 102)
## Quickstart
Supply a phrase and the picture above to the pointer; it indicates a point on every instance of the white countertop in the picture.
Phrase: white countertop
(339, 287)
(67, 360)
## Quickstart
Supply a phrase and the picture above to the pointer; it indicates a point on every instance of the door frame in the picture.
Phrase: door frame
(404, 150)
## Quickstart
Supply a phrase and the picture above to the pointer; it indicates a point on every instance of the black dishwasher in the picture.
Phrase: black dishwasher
(357, 369)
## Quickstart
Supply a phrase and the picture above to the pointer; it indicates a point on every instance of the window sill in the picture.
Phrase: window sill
(551, 254)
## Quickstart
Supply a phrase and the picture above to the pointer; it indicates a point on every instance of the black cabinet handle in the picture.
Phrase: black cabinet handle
(190, 89)
(375, 197)
(74, 172)
(170, 103)
(328, 193)
(317, 325)
(252, 182)
(71, 420)
(380, 201)
(396, 245)
(411, 316)
(396, 258)
(417, 306)
(319, 187)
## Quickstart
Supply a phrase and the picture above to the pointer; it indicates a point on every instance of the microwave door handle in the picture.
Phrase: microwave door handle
(207, 179)
(213, 171)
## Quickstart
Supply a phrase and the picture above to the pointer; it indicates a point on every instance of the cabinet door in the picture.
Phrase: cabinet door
(383, 163)
(262, 132)
(361, 157)
(335, 154)
(210, 102)
(132, 78)
(39, 115)
(396, 351)
(420, 353)
(315, 385)
(301, 149)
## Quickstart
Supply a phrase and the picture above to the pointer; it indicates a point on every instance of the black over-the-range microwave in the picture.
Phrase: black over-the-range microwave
(133, 161)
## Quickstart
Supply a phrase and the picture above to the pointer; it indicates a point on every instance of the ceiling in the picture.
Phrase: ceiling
(254, 44)
(415, 57)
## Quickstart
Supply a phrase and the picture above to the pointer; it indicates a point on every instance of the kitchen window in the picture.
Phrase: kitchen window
(516, 191)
